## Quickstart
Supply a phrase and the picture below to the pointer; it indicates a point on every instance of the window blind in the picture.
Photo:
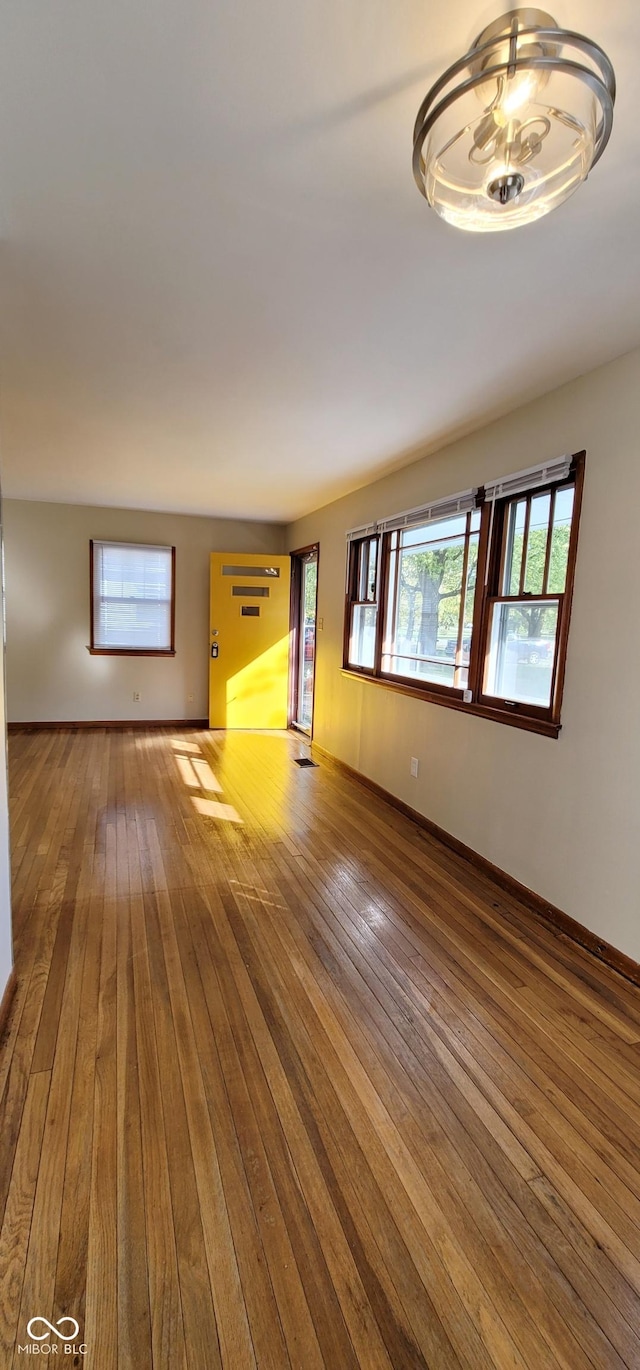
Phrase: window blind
(556, 470)
(132, 596)
(559, 469)
(420, 515)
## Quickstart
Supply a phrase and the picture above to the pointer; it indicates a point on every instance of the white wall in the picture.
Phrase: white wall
(6, 950)
(561, 816)
(51, 677)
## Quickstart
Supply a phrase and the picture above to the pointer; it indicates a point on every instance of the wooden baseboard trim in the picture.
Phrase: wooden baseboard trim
(559, 921)
(7, 999)
(197, 723)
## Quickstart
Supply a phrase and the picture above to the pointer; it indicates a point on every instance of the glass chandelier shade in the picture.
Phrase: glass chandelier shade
(514, 127)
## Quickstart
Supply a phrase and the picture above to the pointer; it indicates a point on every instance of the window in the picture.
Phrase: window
(525, 611)
(132, 599)
(362, 619)
(431, 589)
(467, 602)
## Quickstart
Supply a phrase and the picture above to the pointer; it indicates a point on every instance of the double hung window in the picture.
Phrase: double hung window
(525, 614)
(431, 591)
(132, 599)
(363, 603)
(466, 602)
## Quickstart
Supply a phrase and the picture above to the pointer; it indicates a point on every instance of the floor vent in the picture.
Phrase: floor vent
(304, 761)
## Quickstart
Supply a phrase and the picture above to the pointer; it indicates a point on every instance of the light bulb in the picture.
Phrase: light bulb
(519, 91)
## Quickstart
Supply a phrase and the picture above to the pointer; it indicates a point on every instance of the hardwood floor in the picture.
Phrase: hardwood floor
(287, 1083)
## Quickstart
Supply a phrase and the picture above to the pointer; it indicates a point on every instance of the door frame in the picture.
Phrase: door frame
(297, 559)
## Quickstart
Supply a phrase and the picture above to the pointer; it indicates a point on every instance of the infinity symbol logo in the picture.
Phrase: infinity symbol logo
(56, 1331)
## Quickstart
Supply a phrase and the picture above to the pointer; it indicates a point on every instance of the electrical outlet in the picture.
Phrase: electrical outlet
(414, 767)
(320, 624)
(136, 696)
(467, 696)
(189, 699)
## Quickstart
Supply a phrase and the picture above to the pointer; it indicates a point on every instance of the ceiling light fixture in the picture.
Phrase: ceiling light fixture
(514, 127)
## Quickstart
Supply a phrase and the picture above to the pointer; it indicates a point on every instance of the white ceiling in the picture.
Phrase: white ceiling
(222, 292)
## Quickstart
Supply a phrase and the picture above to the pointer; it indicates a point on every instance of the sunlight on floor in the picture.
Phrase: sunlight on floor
(255, 894)
(179, 746)
(211, 808)
(186, 772)
(205, 776)
(197, 774)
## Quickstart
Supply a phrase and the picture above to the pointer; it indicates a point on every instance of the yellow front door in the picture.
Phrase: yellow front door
(249, 641)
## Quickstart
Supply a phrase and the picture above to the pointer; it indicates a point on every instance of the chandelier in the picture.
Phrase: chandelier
(514, 127)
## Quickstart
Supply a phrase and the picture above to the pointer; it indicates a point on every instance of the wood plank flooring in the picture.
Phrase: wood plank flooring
(286, 1083)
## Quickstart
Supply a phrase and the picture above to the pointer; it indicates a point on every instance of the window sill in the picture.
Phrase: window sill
(532, 725)
(131, 651)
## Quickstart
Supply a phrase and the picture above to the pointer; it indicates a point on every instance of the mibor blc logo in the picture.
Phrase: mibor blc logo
(57, 1339)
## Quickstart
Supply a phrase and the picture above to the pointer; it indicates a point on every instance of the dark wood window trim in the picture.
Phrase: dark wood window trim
(454, 700)
(489, 580)
(132, 651)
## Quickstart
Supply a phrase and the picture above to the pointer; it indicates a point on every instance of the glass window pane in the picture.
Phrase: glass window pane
(560, 541)
(422, 672)
(372, 567)
(434, 532)
(367, 567)
(515, 540)
(522, 644)
(363, 564)
(271, 571)
(537, 544)
(434, 545)
(424, 639)
(429, 586)
(307, 652)
(390, 611)
(362, 644)
(469, 600)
